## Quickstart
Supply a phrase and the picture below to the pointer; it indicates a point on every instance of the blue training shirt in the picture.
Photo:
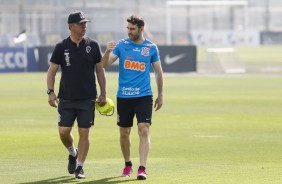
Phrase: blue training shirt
(134, 67)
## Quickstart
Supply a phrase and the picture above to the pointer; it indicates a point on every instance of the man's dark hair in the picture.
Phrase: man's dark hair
(136, 20)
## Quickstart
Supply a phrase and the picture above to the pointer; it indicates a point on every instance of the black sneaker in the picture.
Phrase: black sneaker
(79, 173)
(72, 163)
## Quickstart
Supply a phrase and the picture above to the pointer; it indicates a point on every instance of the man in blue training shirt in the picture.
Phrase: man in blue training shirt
(134, 96)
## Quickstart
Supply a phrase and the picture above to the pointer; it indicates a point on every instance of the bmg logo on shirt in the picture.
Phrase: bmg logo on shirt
(133, 65)
(67, 57)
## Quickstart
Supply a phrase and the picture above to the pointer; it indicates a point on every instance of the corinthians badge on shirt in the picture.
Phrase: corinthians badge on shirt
(88, 49)
(145, 51)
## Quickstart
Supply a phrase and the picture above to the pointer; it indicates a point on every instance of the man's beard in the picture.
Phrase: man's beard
(135, 37)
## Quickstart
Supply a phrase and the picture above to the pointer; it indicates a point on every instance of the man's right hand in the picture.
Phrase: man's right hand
(53, 100)
(110, 46)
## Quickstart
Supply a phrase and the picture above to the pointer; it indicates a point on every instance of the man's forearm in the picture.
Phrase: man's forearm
(102, 82)
(105, 58)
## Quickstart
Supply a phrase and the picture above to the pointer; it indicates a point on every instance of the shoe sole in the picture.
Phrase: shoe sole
(78, 177)
(141, 177)
(127, 175)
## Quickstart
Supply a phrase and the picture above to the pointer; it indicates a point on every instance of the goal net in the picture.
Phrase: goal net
(224, 60)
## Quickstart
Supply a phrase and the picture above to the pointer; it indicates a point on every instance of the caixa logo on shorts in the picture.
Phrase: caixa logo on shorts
(67, 57)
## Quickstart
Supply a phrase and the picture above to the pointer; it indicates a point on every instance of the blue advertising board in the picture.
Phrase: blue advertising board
(175, 59)
(16, 59)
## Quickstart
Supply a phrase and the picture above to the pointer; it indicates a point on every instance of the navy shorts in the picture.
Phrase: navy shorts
(81, 110)
(127, 108)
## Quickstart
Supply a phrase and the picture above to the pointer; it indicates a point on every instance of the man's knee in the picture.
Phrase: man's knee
(124, 133)
(83, 133)
(143, 130)
(64, 132)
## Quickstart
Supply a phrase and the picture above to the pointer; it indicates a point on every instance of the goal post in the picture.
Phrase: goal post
(224, 60)
(169, 4)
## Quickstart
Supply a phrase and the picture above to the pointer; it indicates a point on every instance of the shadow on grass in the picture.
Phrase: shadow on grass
(63, 179)
(68, 179)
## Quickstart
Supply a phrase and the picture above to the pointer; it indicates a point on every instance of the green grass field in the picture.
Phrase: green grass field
(215, 129)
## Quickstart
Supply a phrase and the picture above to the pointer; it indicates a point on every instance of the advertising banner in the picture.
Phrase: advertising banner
(271, 38)
(44, 55)
(226, 38)
(176, 59)
(18, 60)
